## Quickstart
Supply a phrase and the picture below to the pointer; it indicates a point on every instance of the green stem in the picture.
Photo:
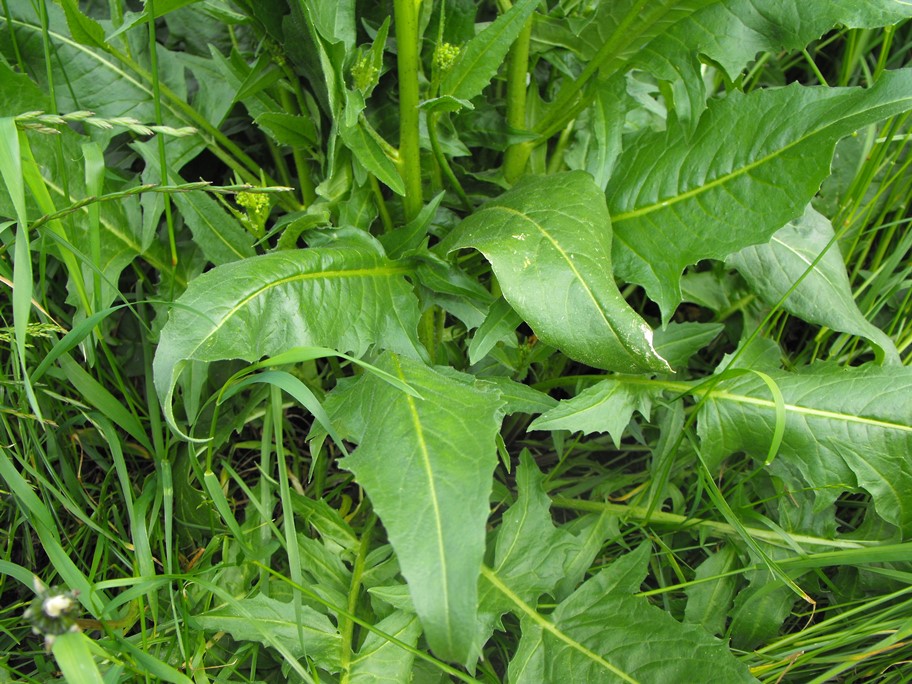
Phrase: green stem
(517, 154)
(162, 156)
(557, 156)
(406, 18)
(444, 165)
(354, 593)
(302, 167)
(711, 528)
(385, 217)
(565, 106)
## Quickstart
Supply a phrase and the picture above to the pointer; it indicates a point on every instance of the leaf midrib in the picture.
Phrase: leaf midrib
(376, 272)
(567, 260)
(816, 413)
(725, 178)
(425, 458)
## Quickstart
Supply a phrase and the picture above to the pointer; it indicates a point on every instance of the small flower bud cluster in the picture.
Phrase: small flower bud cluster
(364, 73)
(445, 55)
(257, 207)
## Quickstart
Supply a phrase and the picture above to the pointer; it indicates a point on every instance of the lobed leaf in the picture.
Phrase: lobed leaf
(845, 429)
(730, 33)
(603, 634)
(549, 243)
(300, 629)
(380, 660)
(426, 465)
(347, 297)
(753, 163)
(607, 406)
(824, 296)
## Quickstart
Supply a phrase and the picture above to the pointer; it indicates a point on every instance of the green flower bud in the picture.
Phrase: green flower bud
(445, 55)
(364, 73)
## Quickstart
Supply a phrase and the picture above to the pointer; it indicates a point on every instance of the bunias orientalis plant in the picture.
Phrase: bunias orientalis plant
(561, 159)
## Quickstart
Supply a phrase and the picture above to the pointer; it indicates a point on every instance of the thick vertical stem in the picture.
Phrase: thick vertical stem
(406, 19)
(518, 153)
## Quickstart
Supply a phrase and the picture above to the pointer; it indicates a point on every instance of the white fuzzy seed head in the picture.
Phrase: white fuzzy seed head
(55, 606)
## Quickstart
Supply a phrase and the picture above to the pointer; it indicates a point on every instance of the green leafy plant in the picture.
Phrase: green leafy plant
(497, 341)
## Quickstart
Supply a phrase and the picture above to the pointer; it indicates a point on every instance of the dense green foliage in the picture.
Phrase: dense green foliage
(450, 340)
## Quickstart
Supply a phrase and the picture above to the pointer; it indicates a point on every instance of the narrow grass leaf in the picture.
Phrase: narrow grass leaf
(98, 396)
(71, 340)
(43, 522)
(296, 389)
(155, 667)
(75, 659)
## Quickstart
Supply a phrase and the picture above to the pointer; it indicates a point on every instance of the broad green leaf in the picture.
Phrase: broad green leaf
(246, 81)
(426, 465)
(95, 80)
(598, 133)
(266, 620)
(368, 151)
(336, 533)
(759, 611)
(530, 553)
(601, 633)
(549, 242)
(610, 41)
(618, 30)
(380, 660)
(83, 28)
(162, 7)
(288, 129)
(824, 296)
(710, 599)
(334, 20)
(607, 406)
(325, 573)
(732, 32)
(18, 93)
(499, 326)
(346, 297)
(482, 56)
(753, 163)
(519, 398)
(845, 429)
(677, 342)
